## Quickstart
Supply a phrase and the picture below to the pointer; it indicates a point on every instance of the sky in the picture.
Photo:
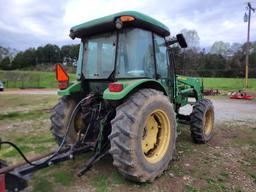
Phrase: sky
(33, 23)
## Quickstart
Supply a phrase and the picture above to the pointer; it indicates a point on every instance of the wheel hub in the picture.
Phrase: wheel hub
(156, 136)
(150, 132)
(208, 124)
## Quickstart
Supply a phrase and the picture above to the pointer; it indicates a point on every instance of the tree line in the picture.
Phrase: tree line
(47, 55)
(220, 60)
(191, 62)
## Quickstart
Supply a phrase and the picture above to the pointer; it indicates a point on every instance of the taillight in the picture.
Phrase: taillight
(115, 87)
(2, 183)
(61, 76)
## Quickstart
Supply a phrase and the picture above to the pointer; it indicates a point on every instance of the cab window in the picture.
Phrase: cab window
(135, 56)
(161, 57)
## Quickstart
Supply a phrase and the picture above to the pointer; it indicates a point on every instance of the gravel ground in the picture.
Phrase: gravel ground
(228, 110)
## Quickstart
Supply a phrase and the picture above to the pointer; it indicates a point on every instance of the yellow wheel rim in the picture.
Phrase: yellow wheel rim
(156, 136)
(208, 125)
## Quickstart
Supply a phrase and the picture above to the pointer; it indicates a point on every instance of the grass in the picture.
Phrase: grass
(64, 178)
(253, 176)
(206, 166)
(190, 188)
(214, 185)
(228, 83)
(42, 185)
(34, 114)
(100, 182)
(11, 152)
(36, 144)
(118, 179)
(23, 79)
(11, 104)
(23, 121)
(17, 79)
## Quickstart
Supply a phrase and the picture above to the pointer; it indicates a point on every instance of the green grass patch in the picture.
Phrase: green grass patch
(118, 179)
(42, 185)
(63, 177)
(223, 176)
(36, 139)
(253, 176)
(189, 188)
(27, 79)
(17, 79)
(185, 146)
(238, 189)
(214, 185)
(33, 143)
(248, 140)
(9, 115)
(176, 169)
(100, 182)
(11, 152)
(228, 83)
(18, 103)
(34, 114)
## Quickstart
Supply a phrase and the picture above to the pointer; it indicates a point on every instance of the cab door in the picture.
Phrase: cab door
(163, 65)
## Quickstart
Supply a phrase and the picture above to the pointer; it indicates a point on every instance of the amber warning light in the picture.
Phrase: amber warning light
(61, 76)
(126, 18)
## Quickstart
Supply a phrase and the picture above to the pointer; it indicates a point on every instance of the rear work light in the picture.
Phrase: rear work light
(61, 76)
(115, 87)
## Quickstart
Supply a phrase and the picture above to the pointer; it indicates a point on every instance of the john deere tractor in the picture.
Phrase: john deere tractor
(126, 102)
(127, 97)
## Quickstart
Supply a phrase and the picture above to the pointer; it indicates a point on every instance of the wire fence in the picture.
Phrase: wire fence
(29, 84)
(26, 79)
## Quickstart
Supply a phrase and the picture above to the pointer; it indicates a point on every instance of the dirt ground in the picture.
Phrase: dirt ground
(29, 92)
(226, 163)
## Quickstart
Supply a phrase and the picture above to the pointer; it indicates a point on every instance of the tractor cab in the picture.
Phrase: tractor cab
(123, 46)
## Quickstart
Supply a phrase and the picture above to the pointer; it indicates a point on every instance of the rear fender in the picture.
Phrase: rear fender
(73, 87)
(131, 86)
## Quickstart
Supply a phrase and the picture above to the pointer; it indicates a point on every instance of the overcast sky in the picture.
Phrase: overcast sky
(32, 23)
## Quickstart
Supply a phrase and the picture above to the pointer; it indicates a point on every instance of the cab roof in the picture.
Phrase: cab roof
(107, 23)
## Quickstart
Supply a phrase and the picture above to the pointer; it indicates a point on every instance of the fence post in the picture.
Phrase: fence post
(38, 82)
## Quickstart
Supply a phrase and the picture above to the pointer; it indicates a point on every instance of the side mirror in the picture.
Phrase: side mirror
(181, 40)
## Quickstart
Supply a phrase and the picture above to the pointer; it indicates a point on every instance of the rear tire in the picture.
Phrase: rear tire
(60, 118)
(135, 124)
(202, 121)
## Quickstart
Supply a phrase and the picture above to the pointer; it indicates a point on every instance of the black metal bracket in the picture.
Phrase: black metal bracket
(15, 176)
(184, 119)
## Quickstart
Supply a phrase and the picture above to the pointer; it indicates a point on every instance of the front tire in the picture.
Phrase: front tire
(202, 121)
(143, 135)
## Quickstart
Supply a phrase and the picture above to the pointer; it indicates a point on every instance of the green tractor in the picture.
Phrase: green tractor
(127, 97)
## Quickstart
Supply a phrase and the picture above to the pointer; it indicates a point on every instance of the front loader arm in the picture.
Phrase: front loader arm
(188, 87)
